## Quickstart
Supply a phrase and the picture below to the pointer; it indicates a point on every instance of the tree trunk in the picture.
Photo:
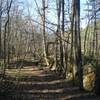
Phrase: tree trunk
(44, 35)
(77, 43)
(8, 35)
(0, 28)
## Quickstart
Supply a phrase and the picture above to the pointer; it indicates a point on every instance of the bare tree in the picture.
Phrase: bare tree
(44, 34)
(77, 42)
(5, 36)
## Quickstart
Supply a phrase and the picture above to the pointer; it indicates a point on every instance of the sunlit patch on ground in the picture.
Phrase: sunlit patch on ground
(34, 83)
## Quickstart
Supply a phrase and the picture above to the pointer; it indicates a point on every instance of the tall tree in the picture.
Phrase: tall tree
(0, 27)
(5, 36)
(61, 66)
(44, 34)
(77, 42)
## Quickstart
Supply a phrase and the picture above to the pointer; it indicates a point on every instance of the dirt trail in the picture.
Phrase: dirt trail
(39, 84)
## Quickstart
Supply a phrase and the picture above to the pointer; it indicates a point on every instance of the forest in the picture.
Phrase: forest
(49, 49)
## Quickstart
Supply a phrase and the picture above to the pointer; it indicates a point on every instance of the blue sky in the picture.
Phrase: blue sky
(51, 14)
(83, 13)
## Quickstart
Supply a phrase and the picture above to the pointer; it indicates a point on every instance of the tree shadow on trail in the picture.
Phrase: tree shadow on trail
(55, 90)
(43, 86)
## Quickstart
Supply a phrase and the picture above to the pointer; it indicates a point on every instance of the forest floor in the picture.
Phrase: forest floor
(36, 83)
